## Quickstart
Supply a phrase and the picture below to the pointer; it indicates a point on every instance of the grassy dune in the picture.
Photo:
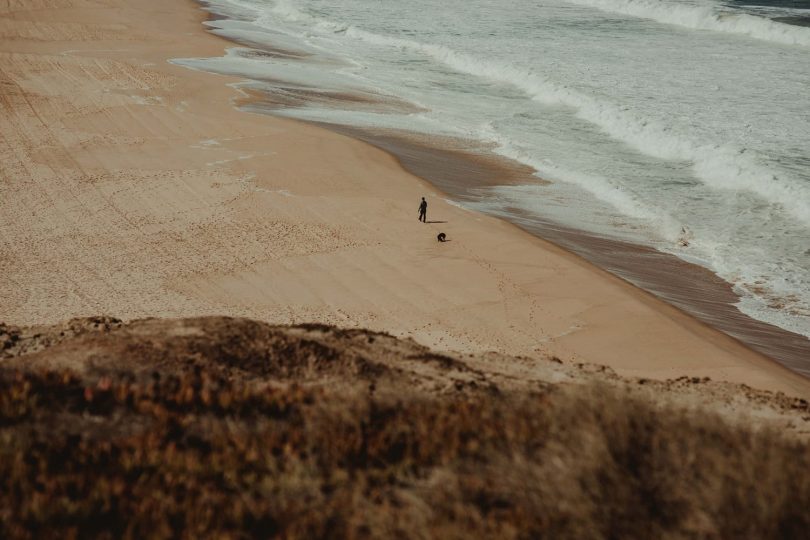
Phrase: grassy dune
(228, 428)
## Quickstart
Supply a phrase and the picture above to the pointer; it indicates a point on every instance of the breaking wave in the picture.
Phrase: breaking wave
(716, 165)
(705, 18)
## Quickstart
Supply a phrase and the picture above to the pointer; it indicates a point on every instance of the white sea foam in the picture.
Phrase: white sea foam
(604, 189)
(718, 166)
(703, 17)
(236, 63)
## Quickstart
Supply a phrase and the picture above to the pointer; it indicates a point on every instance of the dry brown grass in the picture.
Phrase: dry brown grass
(197, 454)
(233, 428)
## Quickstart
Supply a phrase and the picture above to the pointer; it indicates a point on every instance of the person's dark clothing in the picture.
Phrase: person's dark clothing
(423, 211)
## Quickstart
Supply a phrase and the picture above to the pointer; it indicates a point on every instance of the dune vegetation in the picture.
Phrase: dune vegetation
(297, 438)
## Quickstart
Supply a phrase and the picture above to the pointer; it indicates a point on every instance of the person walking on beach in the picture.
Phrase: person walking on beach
(423, 210)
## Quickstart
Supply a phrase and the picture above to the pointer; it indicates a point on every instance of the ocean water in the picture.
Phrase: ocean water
(678, 124)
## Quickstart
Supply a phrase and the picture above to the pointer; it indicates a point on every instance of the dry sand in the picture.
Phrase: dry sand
(132, 187)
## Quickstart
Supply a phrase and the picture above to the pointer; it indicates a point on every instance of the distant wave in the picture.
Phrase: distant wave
(705, 18)
(717, 166)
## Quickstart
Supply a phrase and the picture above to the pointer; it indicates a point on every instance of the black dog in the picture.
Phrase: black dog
(441, 237)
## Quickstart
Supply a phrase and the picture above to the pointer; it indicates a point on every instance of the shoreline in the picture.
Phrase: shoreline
(458, 170)
(153, 196)
(784, 348)
(692, 288)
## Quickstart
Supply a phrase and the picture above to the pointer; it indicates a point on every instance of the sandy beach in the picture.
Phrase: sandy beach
(134, 188)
